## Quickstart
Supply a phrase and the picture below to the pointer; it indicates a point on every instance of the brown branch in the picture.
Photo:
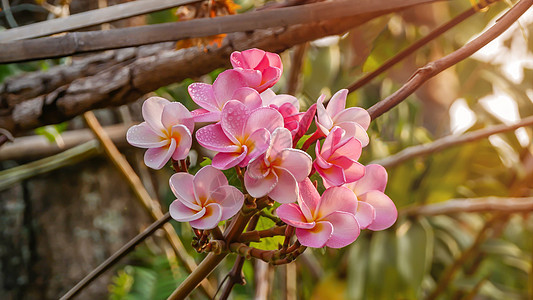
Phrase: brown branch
(130, 75)
(89, 18)
(38, 146)
(236, 276)
(113, 259)
(296, 68)
(487, 204)
(435, 67)
(417, 45)
(257, 235)
(448, 142)
(148, 203)
(82, 42)
(68, 157)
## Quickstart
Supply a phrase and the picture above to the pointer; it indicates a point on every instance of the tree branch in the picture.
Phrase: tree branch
(128, 80)
(435, 67)
(418, 44)
(37, 146)
(487, 204)
(89, 18)
(448, 142)
(82, 42)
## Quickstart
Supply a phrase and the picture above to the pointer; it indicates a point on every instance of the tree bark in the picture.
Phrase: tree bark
(129, 74)
(58, 227)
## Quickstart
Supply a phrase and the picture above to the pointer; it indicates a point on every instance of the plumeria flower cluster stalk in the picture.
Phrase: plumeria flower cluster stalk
(255, 131)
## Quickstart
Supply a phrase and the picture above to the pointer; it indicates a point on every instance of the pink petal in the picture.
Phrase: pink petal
(257, 143)
(320, 161)
(203, 115)
(365, 214)
(350, 148)
(260, 187)
(274, 60)
(206, 181)
(225, 86)
(264, 117)
(183, 138)
(203, 95)
(182, 213)
(213, 215)
(305, 122)
(386, 213)
(257, 169)
(316, 237)
(270, 78)
(279, 100)
(337, 103)
(309, 198)
(229, 198)
(143, 136)
(293, 216)
(175, 113)
(345, 229)
(280, 139)
(334, 140)
(182, 186)
(375, 178)
(251, 78)
(213, 138)
(267, 97)
(336, 199)
(297, 162)
(334, 175)
(233, 120)
(355, 130)
(354, 172)
(286, 191)
(249, 97)
(353, 114)
(323, 118)
(156, 158)
(152, 110)
(224, 161)
(247, 59)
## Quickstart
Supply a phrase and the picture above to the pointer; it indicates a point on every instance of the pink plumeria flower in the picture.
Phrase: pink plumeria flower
(287, 105)
(241, 135)
(375, 211)
(229, 85)
(354, 120)
(276, 173)
(166, 132)
(205, 199)
(254, 61)
(322, 221)
(337, 162)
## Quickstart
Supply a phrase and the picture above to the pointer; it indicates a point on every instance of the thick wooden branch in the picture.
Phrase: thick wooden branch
(89, 18)
(81, 42)
(131, 78)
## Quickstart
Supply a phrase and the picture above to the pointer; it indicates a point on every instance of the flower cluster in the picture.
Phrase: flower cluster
(256, 131)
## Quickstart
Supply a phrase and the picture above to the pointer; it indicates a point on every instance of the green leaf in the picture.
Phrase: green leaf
(415, 252)
(270, 243)
(358, 268)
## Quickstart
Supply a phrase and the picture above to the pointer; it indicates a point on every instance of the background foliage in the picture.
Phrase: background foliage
(472, 255)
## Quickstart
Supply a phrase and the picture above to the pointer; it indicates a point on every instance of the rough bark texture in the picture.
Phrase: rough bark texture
(57, 228)
(129, 73)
